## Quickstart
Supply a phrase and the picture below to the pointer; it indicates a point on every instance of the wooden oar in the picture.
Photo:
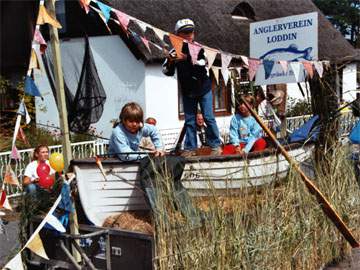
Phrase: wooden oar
(325, 205)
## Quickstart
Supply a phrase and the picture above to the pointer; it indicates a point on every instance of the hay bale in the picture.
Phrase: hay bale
(132, 221)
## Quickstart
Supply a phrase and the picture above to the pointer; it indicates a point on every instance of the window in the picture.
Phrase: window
(221, 97)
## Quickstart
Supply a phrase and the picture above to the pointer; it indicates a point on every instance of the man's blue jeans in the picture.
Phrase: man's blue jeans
(190, 110)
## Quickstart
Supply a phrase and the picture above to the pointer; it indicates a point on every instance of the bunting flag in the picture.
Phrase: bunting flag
(4, 202)
(245, 60)
(146, 43)
(295, 66)
(15, 153)
(34, 63)
(210, 55)
(160, 33)
(85, 5)
(284, 65)
(15, 263)
(143, 25)
(39, 59)
(268, 67)
(194, 50)
(16, 130)
(56, 224)
(24, 112)
(309, 68)
(21, 136)
(36, 246)
(253, 67)
(319, 68)
(225, 62)
(10, 177)
(238, 69)
(216, 74)
(177, 43)
(105, 10)
(123, 18)
(31, 88)
(38, 38)
(45, 17)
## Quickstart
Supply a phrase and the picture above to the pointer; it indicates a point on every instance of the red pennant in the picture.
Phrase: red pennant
(194, 50)
(123, 18)
(309, 68)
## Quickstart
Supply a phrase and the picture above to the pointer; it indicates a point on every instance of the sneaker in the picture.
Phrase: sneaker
(217, 151)
(188, 153)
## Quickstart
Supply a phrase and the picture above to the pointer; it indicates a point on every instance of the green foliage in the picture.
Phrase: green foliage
(344, 15)
(296, 107)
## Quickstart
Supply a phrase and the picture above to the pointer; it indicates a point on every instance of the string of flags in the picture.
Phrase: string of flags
(251, 64)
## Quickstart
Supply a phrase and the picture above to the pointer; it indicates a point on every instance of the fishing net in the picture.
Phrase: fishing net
(86, 105)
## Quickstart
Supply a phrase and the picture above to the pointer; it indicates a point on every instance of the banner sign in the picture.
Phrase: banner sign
(293, 38)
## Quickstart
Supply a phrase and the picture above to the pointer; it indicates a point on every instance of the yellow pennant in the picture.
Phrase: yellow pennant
(37, 247)
(45, 17)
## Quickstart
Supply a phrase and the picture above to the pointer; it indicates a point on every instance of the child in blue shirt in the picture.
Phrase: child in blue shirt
(245, 132)
(127, 134)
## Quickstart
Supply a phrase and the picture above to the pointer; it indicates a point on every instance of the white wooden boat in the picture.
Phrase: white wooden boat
(121, 190)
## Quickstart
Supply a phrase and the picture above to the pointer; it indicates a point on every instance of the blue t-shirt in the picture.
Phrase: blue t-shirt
(244, 130)
(122, 141)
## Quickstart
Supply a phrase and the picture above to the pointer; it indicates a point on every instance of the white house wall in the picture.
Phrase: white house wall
(121, 75)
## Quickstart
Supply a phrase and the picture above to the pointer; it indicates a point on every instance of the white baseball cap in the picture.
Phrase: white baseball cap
(184, 25)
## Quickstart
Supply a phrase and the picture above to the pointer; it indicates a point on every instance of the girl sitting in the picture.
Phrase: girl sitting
(245, 132)
(127, 134)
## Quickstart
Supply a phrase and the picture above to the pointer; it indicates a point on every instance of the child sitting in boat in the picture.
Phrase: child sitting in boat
(245, 132)
(127, 134)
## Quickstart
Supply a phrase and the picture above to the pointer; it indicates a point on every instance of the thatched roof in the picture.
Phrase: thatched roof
(216, 28)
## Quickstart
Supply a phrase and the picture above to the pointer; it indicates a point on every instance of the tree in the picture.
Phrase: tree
(344, 15)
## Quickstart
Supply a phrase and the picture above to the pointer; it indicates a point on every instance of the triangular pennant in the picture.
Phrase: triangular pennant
(38, 38)
(142, 25)
(295, 66)
(40, 61)
(16, 129)
(211, 56)
(15, 263)
(216, 74)
(253, 67)
(123, 18)
(36, 246)
(245, 60)
(319, 68)
(24, 112)
(10, 177)
(160, 33)
(45, 17)
(177, 43)
(34, 63)
(225, 75)
(105, 10)
(309, 68)
(238, 69)
(194, 50)
(15, 153)
(85, 5)
(31, 88)
(284, 65)
(146, 43)
(4, 202)
(104, 20)
(21, 136)
(55, 223)
(268, 67)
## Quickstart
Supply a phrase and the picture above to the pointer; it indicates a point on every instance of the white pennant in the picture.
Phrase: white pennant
(295, 66)
(216, 74)
(15, 263)
(225, 62)
(225, 75)
(143, 25)
(39, 58)
(238, 69)
(245, 60)
(16, 130)
(319, 68)
(160, 33)
(211, 56)
(56, 224)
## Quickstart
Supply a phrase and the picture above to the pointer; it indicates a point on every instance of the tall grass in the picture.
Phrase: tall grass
(273, 227)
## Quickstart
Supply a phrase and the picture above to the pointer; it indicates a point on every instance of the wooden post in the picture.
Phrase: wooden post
(325, 205)
(61, 103)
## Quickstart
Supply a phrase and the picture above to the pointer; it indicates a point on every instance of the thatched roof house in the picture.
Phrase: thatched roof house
(225, 24)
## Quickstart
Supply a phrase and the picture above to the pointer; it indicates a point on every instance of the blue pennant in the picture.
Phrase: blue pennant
(268, 66)
(31, 88)
(105, 9)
